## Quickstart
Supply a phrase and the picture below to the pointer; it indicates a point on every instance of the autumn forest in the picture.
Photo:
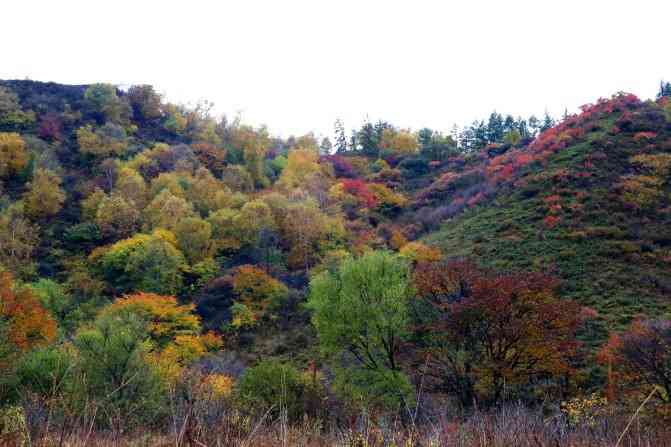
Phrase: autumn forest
(173, 277)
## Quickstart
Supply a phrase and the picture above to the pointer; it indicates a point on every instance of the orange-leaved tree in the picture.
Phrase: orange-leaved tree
(639, 360)
(28, 323)
(256, 291)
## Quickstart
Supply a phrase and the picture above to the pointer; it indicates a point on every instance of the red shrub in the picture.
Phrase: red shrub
(555, 209)
(551, 221)
(523, 159)
(552, 199)
(359, 189)
(645, 136)
(475, 199)
(341, 166)
(50, 127)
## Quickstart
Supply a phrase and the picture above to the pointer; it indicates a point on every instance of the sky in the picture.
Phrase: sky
(298, 65)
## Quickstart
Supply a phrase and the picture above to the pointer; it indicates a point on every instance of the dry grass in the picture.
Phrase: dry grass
(506, 427)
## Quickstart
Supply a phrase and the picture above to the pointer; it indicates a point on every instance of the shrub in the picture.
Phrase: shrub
(115, 370)
(419, 252)
(412, 167)
(640, 359)
(257, 291)
(378, 390)
(341, 167)
(148, 263)
(274, 387)
(45, 371)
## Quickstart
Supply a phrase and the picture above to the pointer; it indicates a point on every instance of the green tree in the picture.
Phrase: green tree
(664, 90)
(225, 236)
(175, 121)
(166, 210)
(194, 238)
(157, 267)
(8, 355)
(117, 218)
(108, 140)
(309, 232)
(369, 139)
(11, 115)
(436, 146)
(148, 263)
(146, 103)
(54, 298)
(512, 137)
(237, 178)
(207, 193)
(273, 386)
(132, 187)
(253, 144)
(47, 372)
(340, 137)
(548, 122)
(18, 239)
(325, 147)
(115, 368)
(254, 217)
(103, 101)
(302, 166)
(361, 310)
(495, 128)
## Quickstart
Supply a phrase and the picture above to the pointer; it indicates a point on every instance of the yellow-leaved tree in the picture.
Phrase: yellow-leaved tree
(45, 196)
(13, 155)
(302, 165)
(255, 291)
(174, 330)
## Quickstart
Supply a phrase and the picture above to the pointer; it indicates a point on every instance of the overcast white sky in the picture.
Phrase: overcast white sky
(298, 65)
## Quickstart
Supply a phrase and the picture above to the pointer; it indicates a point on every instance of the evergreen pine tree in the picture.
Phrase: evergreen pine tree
(326, 146)
(340, 138)
(495, 128)
(367, 138)
(548, 122)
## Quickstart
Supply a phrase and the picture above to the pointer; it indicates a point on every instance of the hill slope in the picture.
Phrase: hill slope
(589, 199)
(218, 264)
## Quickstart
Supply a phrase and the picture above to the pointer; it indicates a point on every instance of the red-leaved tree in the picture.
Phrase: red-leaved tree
(485, 331)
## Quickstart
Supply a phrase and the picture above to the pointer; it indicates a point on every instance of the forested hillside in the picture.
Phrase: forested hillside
(160, 266)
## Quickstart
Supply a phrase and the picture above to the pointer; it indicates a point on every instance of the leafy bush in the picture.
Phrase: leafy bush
(273, 386)
(148, 263)
(45, 371)
(412, 167)
(115, 371)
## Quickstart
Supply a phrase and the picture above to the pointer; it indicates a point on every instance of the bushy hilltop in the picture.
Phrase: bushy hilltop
(193, 243)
